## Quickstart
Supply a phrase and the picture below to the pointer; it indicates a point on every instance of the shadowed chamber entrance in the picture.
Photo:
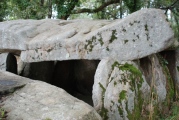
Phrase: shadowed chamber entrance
(76, 77)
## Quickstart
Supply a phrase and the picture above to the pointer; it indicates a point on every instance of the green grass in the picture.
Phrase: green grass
(2, 114)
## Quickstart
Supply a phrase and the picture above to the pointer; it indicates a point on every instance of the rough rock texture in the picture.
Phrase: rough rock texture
(10, 82)
(20, 65)
(177, 67)
(40, 101)
(140, 34)
(118, 88)
(171, 59)
(8, 62)
(155, 75)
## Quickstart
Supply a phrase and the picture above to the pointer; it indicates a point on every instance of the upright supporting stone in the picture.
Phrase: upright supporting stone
(171, 57)
(8, 62)
(118, 90)
(155, 76)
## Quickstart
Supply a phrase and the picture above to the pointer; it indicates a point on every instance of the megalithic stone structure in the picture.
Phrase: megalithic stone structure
(140, 34)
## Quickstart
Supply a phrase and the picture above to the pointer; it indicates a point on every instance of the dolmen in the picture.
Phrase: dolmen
(132, 75)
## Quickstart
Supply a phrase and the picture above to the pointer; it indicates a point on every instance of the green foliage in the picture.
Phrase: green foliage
(48, 119)
(2, 114)
(133, 5)
(3, 9)
(65, 7)
(27, 9)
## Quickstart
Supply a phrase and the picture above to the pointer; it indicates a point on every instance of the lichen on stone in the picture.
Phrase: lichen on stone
(100, 39)
(89, 46)
(125, 41)
(113, 36)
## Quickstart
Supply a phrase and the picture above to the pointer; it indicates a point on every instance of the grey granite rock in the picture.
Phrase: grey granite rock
(40, 101)
(140, 34)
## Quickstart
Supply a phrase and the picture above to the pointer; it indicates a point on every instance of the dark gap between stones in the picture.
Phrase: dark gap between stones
(74, 76)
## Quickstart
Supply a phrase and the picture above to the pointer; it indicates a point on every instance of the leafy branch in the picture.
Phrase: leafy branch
(100, 8)
(170, 7)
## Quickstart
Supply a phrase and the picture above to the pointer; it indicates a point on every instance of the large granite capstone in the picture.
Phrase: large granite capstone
(140, 34)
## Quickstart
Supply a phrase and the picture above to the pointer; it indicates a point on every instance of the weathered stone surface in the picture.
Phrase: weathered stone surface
(155, 76)
(171, 59)
(39, 71)
(20, 65)
(10, 82)
(8, 62)
(177, 67)
(118, 88)
(40, 101)
(138, 35)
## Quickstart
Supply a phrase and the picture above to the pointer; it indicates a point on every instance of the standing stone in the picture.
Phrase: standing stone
(119, 87)
(171, 60)
(39, 71)
(8, 62)
(177, 67)
(20, 66)
(155, 76)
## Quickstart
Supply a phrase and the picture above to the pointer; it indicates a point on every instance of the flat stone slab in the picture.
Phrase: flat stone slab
(38, 100)
(138, 35)
(8, 84)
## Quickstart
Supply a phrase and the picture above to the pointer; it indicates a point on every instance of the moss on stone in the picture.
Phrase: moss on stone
(36, 50)
(146, 27)
(138, 36)
(100, 39)
(124, 30)
(178, 68)
(120, 110)
(115, 83)
(89, 46)
(134, 76)
(122, 96)
(125, 41)
(107, 48)
(147, 34)
(136, 112)
(131, 24)
(103, 112)
(113, 36)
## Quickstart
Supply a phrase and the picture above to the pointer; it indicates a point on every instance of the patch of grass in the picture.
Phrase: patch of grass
(48, 119)
(2, 114)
